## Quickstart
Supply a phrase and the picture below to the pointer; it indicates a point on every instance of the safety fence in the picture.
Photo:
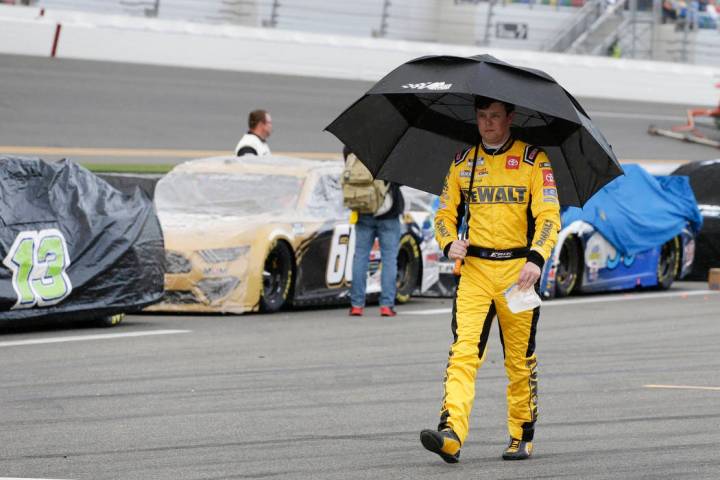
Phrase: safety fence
(396, 19)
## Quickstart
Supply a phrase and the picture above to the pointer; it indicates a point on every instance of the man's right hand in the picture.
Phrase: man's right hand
(458, 249)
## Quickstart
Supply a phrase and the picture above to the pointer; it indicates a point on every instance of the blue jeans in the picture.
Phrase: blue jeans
(388, 233)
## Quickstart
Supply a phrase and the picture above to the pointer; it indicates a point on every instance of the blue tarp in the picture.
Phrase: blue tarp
(637, 211)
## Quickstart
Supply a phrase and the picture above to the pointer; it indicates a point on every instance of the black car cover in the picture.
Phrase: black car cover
(73, 246)
(705, 179)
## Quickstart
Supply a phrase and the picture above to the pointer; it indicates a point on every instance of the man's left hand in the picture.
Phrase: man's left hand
(528, 276)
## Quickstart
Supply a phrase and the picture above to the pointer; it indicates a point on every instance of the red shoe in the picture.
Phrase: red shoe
(387, 312)
(356, 311)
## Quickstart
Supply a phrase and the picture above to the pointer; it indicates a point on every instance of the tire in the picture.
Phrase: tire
(277, 278)
(408, 269)
(108, 321)
(568, 271)
(668, 263)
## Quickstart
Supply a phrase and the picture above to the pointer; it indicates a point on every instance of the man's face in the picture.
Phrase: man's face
(493, 123)
(266, 126)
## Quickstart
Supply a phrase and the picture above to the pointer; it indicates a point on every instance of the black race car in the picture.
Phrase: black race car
(705, 182)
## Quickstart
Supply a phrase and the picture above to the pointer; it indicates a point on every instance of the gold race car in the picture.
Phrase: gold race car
(262, 233)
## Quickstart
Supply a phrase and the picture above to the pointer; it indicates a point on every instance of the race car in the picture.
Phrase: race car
(73, 247)
(705, 178)
(638, 231)
(262, 233)
(585, 261)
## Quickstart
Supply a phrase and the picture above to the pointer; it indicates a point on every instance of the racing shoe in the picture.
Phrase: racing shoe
(445, 443)
(518, 450)
(387, 312)
(356, 311)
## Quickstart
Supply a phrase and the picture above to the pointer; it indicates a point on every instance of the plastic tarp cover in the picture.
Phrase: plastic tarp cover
(705, 182)
(227, 194)
(73, 246)
(637, 211)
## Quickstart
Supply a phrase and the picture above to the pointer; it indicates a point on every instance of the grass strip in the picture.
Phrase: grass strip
(128, 167)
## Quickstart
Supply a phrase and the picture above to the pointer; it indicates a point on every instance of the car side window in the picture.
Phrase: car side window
(326, 199)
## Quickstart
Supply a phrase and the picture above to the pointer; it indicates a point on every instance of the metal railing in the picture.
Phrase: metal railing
(401, 19)
(577, 26)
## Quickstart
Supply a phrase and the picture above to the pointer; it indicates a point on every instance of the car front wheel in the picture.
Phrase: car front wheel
(408, 269)
(668, 263)
(277, 278)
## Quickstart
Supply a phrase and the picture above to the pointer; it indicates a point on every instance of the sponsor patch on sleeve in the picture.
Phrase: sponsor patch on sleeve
(549, 192)
(545, 165)
(460, 156)
(531, 152)
(548, 178)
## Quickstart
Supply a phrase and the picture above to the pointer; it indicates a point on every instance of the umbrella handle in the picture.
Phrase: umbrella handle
(456, 269)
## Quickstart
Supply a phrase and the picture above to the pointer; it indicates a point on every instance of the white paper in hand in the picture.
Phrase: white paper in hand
(521, 300)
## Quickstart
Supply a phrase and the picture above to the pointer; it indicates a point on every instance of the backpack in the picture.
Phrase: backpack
(361, 192)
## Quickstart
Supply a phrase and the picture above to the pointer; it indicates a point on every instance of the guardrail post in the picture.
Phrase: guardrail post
(382, 31)
(56, 39)
(274, 14)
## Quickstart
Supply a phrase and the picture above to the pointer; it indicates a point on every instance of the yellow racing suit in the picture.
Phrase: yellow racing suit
(514, 218)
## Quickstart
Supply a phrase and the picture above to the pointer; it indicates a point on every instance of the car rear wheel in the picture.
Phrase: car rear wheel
(408, 269)
(668, 263)
(110, 320)
(277, 278)
(567, 273)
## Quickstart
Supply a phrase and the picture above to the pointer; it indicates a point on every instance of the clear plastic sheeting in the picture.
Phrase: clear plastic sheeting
(326, 198)
(227, 193)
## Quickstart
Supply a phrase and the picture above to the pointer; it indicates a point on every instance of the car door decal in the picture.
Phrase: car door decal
(340, 258)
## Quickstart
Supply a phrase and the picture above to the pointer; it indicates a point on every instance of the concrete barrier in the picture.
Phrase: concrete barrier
(23, 30)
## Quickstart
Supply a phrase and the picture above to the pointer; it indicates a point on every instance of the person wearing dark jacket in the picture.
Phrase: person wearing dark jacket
(385, 226)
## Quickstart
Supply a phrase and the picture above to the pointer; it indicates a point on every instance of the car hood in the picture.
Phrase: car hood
(184, 230)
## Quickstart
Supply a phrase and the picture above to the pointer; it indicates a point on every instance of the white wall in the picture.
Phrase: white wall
(165, 42)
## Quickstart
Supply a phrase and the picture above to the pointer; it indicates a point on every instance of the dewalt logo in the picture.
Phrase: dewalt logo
(499, 194)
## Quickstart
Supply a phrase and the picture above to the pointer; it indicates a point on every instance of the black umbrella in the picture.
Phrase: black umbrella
(408, 127)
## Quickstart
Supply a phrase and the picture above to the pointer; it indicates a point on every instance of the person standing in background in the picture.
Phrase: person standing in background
(254, 142)
(376, 208)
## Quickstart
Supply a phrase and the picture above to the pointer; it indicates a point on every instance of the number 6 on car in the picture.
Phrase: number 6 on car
(38, 260)
(340, 258)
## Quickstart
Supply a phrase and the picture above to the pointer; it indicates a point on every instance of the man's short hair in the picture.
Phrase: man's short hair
(481, 103)
(255, 117)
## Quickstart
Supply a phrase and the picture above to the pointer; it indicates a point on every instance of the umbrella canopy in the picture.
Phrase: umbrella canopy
(408, 127)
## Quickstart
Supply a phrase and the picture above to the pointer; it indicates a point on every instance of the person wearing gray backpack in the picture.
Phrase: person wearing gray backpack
(376, 206)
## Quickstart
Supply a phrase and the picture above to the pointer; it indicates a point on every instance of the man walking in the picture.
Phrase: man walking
(513, 221)
(254, 142)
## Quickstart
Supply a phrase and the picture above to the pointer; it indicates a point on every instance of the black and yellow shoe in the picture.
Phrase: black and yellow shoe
(445, 443)
(518, 450)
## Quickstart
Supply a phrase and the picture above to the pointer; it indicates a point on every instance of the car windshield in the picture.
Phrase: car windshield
(227, 193)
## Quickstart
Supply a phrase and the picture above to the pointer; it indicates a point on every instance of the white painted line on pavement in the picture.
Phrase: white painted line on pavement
(433, 311)
(628, 296)
(594, 299)
(81, 338)
(683, 387)
(638, 116)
